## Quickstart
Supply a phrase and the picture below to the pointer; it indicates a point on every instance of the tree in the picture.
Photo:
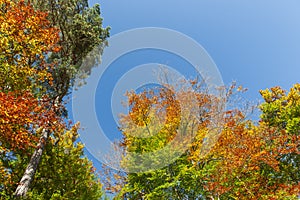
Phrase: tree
(247, 161)
(32, 111)
(80, 31)
(261, 161)
(63, 173)
(281, 111)
(24, 44)
(156, 118)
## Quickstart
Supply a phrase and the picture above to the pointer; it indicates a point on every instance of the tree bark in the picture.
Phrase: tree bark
(32, 166)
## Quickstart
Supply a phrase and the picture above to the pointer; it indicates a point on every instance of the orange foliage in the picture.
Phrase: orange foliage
(26, 38)
(19, 115)
(246, 157)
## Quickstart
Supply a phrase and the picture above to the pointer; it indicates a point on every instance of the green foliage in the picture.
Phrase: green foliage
(23, 46)
(281, 110)
(65, 172)
(80, 32)
(247, 161)
(42, 46)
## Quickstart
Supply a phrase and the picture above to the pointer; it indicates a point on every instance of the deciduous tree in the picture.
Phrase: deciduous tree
(32, 53)
(247, 161)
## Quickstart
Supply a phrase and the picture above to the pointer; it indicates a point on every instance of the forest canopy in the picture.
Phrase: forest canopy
(220, 153)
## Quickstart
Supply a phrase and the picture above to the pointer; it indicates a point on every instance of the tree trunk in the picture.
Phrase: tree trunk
(32, 166)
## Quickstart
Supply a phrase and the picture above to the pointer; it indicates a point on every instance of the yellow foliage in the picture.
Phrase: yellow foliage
(26, 37)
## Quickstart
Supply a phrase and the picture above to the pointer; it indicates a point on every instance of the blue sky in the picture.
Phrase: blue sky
(255, 43)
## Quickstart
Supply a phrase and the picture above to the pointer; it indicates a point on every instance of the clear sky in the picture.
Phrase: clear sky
(253, 42)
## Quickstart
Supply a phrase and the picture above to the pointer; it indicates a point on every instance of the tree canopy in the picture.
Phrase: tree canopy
(37, 146)
(248, 160)
(177, 142)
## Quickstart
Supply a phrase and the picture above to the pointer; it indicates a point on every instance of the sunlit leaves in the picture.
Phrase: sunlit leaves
(81, 31)
(248, 160)
(258, 161)
(15, 125)
(157, 118)
(33, 50)
(152, 120)
(71, 176)
(26, 38)
(282, 109)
